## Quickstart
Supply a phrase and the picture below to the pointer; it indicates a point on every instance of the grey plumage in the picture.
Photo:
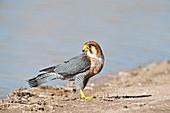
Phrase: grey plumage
(74, 66)
(81, 80)
(42, 78)
(74, 69)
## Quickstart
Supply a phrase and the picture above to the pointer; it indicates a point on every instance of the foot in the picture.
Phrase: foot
(87, 98)
(83, 96)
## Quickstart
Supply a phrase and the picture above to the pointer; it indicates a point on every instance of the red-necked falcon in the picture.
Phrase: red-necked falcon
(79, 68)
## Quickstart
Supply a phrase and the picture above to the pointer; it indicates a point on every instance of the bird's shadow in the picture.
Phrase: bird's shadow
(126, 97)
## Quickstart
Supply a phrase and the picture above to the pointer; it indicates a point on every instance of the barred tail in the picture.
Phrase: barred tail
(42, 78)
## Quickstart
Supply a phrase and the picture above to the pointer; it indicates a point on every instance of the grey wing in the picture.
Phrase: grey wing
(73, 66)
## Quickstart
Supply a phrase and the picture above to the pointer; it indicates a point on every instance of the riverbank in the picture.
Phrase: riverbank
(144, 89)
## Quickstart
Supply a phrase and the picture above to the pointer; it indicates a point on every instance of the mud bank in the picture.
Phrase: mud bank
(144, 89)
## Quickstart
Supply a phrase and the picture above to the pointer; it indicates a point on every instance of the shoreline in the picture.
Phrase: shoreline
(144, 89)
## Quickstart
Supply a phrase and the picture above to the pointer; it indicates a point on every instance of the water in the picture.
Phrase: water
(38, 34)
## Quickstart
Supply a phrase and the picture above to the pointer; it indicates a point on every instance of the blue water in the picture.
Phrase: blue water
(41, 33)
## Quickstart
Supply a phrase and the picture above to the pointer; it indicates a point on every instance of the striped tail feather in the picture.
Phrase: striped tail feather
(42, 78)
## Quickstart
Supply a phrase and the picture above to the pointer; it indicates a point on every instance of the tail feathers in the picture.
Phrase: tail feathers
(42, 78)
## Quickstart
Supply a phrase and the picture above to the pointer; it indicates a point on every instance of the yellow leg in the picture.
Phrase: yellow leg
(83, 96)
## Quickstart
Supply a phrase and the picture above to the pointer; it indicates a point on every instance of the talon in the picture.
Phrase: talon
(85, 97)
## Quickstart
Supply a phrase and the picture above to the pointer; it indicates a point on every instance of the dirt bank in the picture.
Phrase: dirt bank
(145, 89)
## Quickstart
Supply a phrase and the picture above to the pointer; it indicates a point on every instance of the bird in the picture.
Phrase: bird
(78, 69)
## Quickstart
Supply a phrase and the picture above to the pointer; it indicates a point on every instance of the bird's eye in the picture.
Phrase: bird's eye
(90, 46)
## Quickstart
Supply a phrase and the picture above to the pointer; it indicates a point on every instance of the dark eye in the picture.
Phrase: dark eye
(90, 46)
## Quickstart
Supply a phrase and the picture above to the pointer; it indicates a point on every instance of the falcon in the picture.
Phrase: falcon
(79, 69)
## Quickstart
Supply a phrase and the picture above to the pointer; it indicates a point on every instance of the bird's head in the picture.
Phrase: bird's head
(92, 49)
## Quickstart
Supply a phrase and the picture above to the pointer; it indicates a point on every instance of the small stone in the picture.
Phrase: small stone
(125, 106)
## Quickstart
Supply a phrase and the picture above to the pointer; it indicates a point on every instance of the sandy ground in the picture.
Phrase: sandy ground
(145, 89)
